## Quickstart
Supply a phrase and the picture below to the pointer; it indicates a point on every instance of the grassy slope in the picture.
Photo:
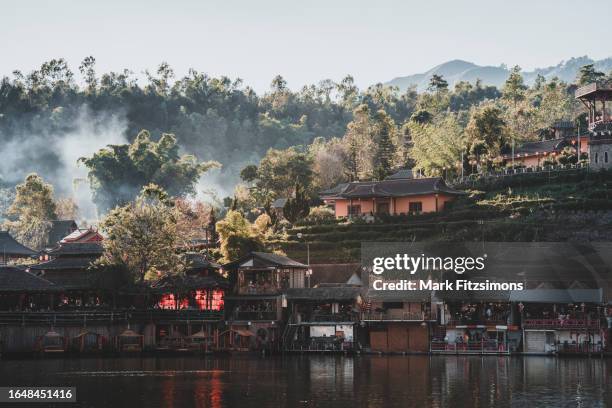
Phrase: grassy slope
(526, 208)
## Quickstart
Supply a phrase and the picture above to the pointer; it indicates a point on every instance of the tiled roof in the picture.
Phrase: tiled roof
(401, 174)
(75, 248)
(266, 259)
(60, 229)
(17, 280)
(67, 263)
(198, 261)
(390, 188)
(81, 234)
(548, 146)
(563, 124)
(10, 247)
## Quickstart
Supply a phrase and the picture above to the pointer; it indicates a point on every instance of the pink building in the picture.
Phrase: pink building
(398, 194)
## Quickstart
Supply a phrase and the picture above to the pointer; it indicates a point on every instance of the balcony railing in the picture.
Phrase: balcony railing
(482, 346)
(561, 324)
(256, 315)
(329, 317)
(478, 322)
(398, 316)
(81, 317)
(587, 89)
(258, 290)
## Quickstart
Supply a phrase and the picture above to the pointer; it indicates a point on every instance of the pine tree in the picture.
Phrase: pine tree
(385, 149)
(296, 207)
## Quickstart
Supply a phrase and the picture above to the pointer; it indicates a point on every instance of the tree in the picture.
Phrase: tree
(141, 238)
(437, 83)
(487, 135)
(437, 147)
(360, 142)
(296, 207)
(118, 172)
(329, 160)
(237, 237)
(249, 173)
(588, 74)
(32, 211)
(514, 88)
(385, 149)
(194, 219)
(280, 170)
(67, 209)
(87, 69)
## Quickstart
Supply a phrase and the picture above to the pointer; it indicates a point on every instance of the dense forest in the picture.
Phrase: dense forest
(315, 137)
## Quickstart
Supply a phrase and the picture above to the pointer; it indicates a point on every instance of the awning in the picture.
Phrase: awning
(557, 295)
(243, 333)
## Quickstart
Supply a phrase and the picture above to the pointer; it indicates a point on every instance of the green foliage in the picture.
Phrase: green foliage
(588, 74)
(117, 173)
(487, 136)
(279, 171)
(296, 207)
(437, 83)
(32, 211)
(321, 215)
(141, 237)
(514, 88)
(237, 236)
(437, 147)
(384, 155)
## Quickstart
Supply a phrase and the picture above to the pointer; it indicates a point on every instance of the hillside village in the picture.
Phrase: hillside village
(301, 288)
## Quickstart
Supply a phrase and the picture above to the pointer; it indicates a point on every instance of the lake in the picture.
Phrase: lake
(322, 381)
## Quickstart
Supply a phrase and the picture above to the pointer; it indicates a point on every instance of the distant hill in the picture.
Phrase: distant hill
(458, 70)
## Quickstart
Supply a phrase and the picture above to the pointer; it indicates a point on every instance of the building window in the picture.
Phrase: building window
(415, 207)
(605, 157)
(596, 158)
(354, 209)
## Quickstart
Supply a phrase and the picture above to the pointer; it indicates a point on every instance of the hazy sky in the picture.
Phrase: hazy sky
(304, 41)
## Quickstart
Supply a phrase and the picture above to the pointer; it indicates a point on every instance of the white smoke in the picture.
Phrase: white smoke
(54, 154)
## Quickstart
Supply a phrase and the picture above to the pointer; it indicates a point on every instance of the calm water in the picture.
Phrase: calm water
(323, 381)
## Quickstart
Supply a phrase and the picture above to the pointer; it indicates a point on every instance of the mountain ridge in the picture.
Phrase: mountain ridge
(460, 70)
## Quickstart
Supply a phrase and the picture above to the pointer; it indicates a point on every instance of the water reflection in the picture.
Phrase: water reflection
(324, 381)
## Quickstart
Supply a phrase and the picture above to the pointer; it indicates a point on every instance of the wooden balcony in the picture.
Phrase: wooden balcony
(69, 318)
(556, 324)
(398, 315)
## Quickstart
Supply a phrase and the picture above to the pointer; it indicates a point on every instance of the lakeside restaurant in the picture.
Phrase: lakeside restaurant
(561, 320)
(323, 318)
(398, 321)
(482, 322)
(255, 307)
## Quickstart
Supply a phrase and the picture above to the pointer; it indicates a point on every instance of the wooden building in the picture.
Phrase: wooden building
(323, 318)
(68, 265)
(257, 300)
(11, 250)
(21, 290)
(398, 321)
(399, 194)
(594, 97)
(59, 230)
(535, 154)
